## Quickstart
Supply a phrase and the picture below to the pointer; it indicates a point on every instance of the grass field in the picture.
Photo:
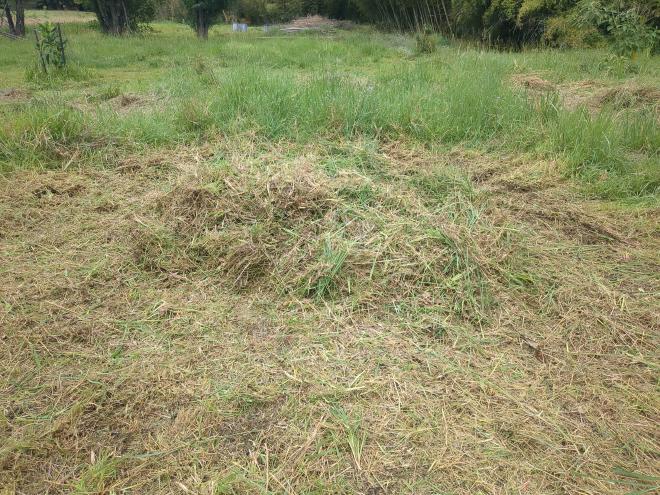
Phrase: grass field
(323, 263)
(33, 17)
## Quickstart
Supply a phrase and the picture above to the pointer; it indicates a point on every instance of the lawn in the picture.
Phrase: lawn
(325, 263)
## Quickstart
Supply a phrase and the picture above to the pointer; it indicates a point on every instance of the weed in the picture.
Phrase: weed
(108, 93)
(332, 261)
(194, 116)
(356, 437)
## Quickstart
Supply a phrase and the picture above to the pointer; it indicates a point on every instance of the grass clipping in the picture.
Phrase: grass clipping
(324, 324)
(300, 232)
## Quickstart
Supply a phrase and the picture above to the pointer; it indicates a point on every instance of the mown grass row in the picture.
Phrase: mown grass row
(302, 89)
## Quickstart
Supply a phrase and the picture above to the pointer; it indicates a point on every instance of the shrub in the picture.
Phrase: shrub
(426, 41)
(563, 32)
(626, 29)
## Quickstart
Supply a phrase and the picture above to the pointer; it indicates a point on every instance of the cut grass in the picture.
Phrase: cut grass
(278, 334)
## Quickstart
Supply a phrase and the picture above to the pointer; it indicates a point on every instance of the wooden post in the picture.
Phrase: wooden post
(41, 55)
(62, 54)
(20, 18)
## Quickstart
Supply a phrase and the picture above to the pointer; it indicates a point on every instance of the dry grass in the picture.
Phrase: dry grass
(314, 23)
(34, 17)
(591, 94)
(183, 323)
(13, 95)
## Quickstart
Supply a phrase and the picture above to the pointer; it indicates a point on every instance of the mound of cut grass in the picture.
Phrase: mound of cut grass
(296, 230)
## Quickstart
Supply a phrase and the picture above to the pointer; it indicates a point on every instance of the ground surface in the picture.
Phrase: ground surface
(57, 16)
(327, 265)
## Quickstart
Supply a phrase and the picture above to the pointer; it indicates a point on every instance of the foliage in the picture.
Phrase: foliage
(171, 10)
(283, 10)
(627, 30)
(495, 21)
(564, 32)
(50, 46)
(121, 16)
(60, 4)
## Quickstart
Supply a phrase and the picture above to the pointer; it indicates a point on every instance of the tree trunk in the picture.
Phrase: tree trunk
(202, 24)
(10, 19)
(125, 23)
(20, 18)
(112, 16)
(115, 26)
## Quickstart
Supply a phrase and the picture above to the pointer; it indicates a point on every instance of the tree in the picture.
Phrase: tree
(20, 18)
(60, 4)
(15, 22)
(121, 16)
(202, 14)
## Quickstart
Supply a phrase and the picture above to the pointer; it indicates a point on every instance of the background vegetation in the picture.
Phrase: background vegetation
(559, 23)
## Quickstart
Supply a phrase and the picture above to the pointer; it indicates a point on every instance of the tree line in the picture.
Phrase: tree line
(513, 22)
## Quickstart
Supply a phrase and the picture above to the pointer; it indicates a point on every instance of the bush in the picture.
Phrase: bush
(563, 32)
(627, 30)
(426, 41)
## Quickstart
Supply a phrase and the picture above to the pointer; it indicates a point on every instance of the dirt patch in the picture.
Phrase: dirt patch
(14, 95)
(315, 23)
(34, 17)
(130, 102)
(573, 223)
(50, 191)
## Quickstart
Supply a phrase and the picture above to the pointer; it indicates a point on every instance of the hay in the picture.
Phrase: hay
(206, 365)
(590, 94)
(315, 23)
(296, 231)
(629, 97)
(533, 82)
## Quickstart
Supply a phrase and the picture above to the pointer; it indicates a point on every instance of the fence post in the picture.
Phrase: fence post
(59, 32)
(41, 54)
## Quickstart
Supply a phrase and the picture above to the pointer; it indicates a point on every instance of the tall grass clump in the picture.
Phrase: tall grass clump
(426, 41)
(617, 153)
(40, 134)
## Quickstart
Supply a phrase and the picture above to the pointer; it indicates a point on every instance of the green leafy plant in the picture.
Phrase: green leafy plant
(51, 46)
(626, 29)
(356, 437)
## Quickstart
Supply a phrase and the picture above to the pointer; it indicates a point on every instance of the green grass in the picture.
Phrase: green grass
(355, 85)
